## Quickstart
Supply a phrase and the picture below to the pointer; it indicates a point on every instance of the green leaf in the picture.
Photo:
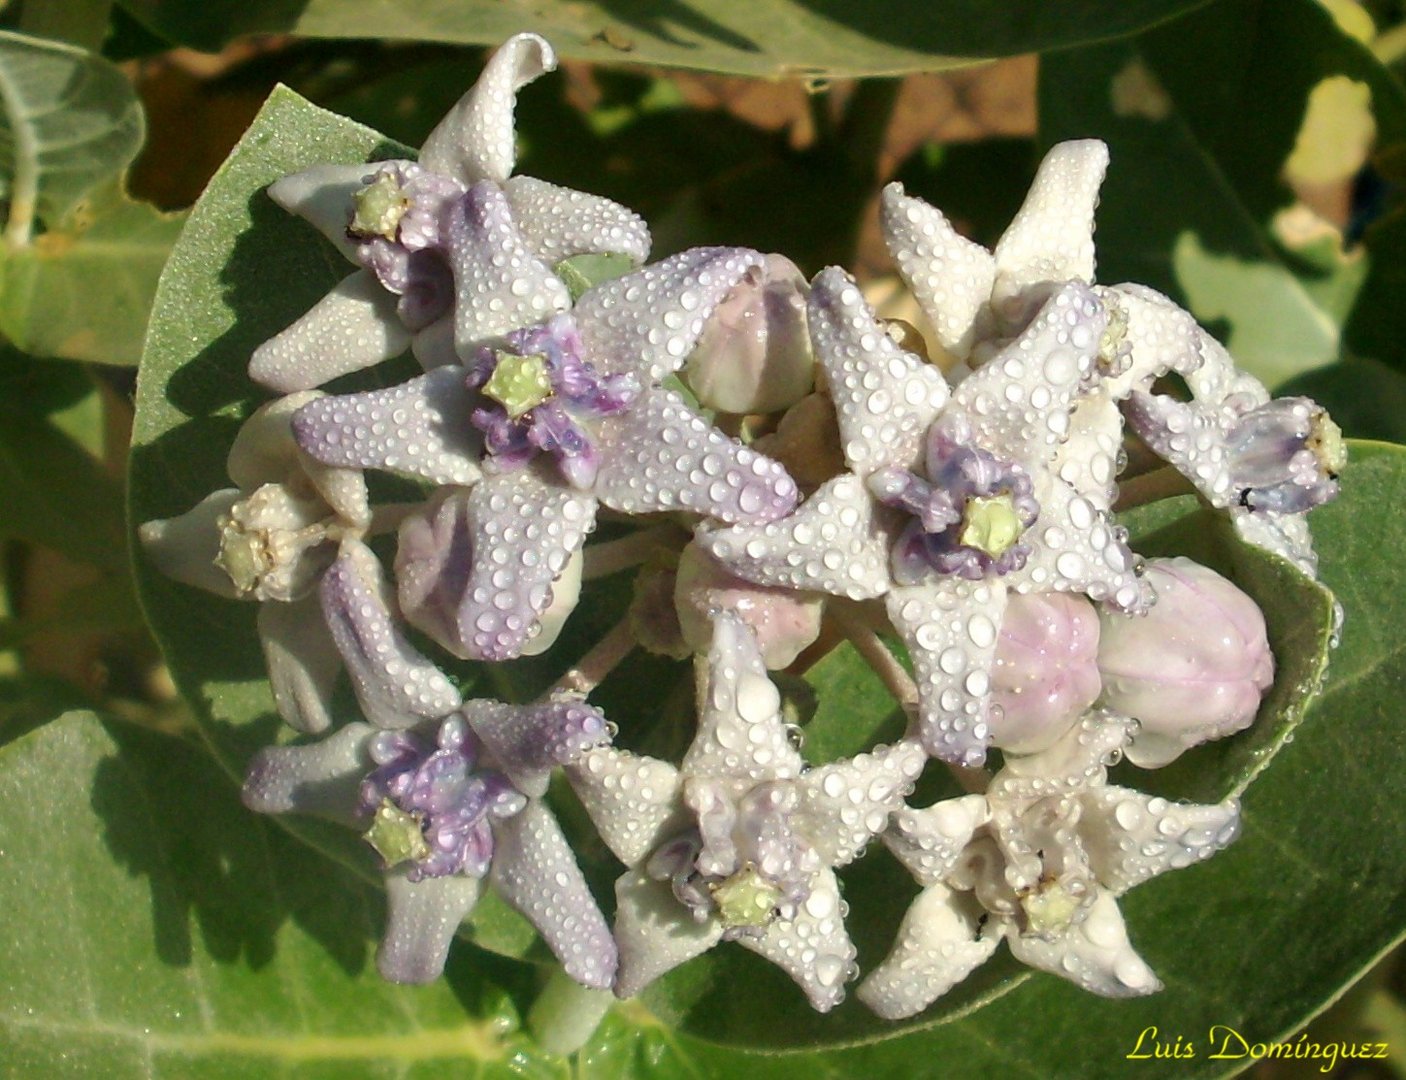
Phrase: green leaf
(1203, 117)
(772, 38)
(79, 260)
(56, 494)
(79, 22)
(168, 931)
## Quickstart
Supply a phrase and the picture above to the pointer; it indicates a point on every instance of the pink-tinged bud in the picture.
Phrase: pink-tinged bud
(755, 355)
(785, 622)
(1046, 670)
(1194, 668)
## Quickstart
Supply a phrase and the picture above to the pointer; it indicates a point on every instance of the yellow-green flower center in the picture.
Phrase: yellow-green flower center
(746, 899)
(1049, 909)
(1326, 442)
(379, 207)
(519, 383)
(991, 524)
(396, 835)
(244, 556)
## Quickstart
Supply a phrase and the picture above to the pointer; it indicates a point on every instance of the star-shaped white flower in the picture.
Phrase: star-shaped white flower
(739, 843)
(1219, 440)
(1039, 861)
(954, 496)
(530, 435)
(394, 219)
(269, 539)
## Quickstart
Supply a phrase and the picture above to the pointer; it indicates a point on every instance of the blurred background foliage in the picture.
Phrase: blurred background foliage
(1258, 163)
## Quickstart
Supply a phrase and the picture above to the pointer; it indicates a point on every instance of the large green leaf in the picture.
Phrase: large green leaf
(168, 932)
(79, 260)
(773, 38)
(1203, 117)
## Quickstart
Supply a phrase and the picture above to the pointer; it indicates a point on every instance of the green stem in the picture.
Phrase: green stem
(866, 124)
(566, 1014)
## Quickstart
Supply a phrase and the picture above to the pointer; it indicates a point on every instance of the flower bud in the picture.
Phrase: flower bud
(785, 622)
(1193, 668)
(754, 355)
(1045, 673)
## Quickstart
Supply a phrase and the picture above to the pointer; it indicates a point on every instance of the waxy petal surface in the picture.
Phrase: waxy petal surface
(558, 222)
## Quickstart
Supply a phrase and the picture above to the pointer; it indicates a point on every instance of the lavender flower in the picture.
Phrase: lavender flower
(740, 842)
(396, 220)
(535, 433)
(451, 804)
(955, 498)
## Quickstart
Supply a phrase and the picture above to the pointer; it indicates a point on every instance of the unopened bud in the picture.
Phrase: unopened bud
(785, 622)
(755, 354)
(1194, 668)
(1046, 672)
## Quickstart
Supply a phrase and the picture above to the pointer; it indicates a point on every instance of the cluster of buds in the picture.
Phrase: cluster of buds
(961, 502)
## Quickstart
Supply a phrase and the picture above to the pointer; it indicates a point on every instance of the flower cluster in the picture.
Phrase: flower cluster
(780, 472)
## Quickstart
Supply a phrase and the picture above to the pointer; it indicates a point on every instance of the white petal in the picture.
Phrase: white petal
(1052, 236)
(946, 626)
(303, 663)
(950, 276)
(323, 196)
(836, 543)
(1131, 837)
(1019, 400)
(660, 455)
(1094, 954)
(354, 326)
(321, 778)
(420, 428)
(396, 685)
(741, 733)
(499, 284)
(423, 918)
(847, 803)
(1161, 337)
(655, 932)
(1075, 549)
(648, 321)
(559, 222)
(813, 948)
(474, 141)
(633, 801)
(535, 871)
(885, 398)
(1188, 437)
(185, 547)
(936, 948)
(929, 841)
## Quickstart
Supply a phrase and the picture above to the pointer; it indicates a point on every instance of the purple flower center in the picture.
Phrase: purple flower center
(971, 510)
(429, 805)
(538, 395)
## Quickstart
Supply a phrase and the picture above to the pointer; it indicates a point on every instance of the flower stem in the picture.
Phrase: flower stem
(603, 658)
(612, 556)
(896, 678)
(566, 1014)
(1150, 487)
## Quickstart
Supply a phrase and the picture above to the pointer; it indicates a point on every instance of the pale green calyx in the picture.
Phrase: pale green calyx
(519, 383)
(746, 899)
(396, 835)
(379, 207)
(1050, 909)
(991, 524)
(1326, 441)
